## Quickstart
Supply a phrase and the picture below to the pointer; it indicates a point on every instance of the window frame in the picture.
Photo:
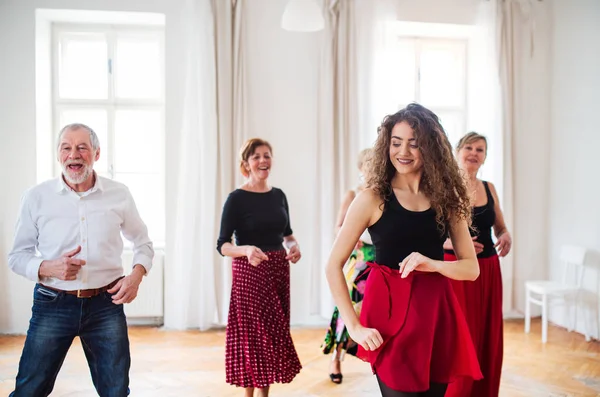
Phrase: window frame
(112, 103)
(462, 48)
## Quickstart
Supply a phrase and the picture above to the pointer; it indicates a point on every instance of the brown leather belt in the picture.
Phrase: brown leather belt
(87, 293)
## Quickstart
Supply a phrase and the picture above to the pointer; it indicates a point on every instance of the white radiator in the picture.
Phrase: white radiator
(148, 306)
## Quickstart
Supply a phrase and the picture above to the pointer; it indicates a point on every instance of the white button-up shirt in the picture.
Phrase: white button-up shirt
(54, 219)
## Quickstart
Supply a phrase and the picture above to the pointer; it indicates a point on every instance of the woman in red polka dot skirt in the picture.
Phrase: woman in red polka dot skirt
(259, 350)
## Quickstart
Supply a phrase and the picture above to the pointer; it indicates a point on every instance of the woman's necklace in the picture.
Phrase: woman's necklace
(472, 186)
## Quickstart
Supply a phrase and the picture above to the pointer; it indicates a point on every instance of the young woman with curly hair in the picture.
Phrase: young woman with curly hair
(411, 328)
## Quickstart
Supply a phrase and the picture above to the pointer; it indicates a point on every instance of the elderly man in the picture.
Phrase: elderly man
(68, 240)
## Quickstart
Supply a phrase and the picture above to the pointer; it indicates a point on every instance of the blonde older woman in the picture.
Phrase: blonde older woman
(481, 299)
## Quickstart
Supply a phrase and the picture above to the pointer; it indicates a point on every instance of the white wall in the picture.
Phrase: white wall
(574, 214)
(282, 79)
(18, 141)
(282, 108)
(531, 147)
(18, 124)
(438, 11)
(531, 141)
(282, 96)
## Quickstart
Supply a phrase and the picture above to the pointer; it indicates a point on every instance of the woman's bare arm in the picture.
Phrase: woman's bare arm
(346, 201)
(466, 266)
(499, 224)
(361, 213)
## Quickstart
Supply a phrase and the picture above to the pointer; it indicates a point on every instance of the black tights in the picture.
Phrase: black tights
(435, 390)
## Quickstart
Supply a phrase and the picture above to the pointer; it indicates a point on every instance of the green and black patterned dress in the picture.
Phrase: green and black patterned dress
(356, 273)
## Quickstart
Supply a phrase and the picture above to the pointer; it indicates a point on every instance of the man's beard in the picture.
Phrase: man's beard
(79, 177)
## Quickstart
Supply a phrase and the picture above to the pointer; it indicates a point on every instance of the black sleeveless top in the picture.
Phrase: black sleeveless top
(400, 232)
(484, 218)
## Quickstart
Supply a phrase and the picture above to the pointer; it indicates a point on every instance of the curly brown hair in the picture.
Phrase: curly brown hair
(442, 181)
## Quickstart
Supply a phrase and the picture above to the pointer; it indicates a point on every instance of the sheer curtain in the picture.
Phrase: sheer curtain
(524, 36)
(511, 106)
(487, 115)
(197, 280)
(356, 43)
(232, 122)
(377, 70)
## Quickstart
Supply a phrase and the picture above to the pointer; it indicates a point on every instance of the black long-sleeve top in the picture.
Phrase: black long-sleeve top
(259, 219)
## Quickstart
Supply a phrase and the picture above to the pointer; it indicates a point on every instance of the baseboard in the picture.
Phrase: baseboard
(314, 321)
(147, 321)
(513, 315)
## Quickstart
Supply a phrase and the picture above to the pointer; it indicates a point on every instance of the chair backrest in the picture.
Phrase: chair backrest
(573, 258)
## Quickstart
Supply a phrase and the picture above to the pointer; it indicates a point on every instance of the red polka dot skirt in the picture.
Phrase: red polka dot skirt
(259, 350)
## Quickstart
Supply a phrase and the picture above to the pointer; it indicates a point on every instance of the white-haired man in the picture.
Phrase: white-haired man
(68, 241)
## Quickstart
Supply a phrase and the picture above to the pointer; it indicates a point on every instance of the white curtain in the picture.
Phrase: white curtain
(511, 107)
(333, 146)
(377, 60)
(525, 64)
(232, 121)
(197, 280)
(506, 67)
(489, 114)
(352, 67)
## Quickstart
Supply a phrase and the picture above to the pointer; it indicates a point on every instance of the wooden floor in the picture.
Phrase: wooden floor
(169, 363)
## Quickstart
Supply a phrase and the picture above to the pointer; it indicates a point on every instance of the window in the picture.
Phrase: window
(432, 72)
(112, 79)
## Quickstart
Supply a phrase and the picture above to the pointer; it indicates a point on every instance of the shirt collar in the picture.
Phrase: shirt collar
(61, 185)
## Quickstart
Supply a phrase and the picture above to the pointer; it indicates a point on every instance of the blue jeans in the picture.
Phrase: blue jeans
(57, 318)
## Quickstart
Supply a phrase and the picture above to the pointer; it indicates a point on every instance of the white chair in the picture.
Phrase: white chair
(566, 291)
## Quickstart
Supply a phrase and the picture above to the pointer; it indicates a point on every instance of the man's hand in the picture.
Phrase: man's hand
(127, 288)
(64, 268)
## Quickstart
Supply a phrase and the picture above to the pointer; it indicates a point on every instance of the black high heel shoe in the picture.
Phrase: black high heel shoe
(336, 378)
(337, 356)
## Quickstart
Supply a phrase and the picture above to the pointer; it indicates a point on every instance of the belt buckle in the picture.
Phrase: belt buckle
(79, 294)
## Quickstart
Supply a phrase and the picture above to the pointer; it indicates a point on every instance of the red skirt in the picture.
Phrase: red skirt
(259, 350)
(425, 336)
(481, 301)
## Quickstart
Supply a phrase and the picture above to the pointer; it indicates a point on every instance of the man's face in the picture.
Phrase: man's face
(76, 155)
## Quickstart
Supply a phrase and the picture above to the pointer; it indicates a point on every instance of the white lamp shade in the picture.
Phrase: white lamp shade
(302, 16)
